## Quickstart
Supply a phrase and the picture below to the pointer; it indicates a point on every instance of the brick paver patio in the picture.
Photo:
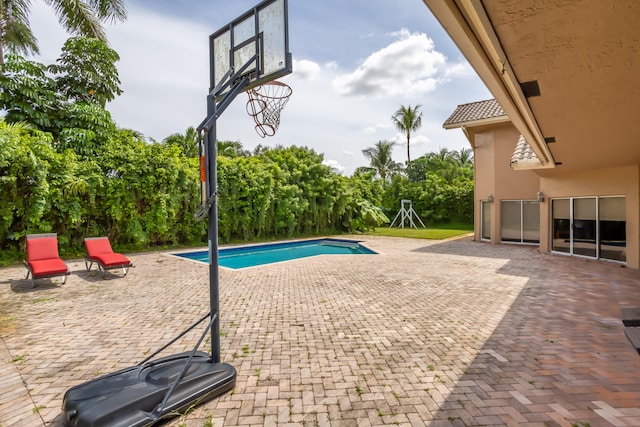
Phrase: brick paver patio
(443, 333)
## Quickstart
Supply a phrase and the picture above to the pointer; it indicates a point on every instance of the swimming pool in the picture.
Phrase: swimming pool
(254, 255)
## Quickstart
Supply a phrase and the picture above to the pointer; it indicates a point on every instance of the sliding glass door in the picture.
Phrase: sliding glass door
(561, 225)
(584, 227)
(593, 227)
(520, 221)
(613, 228)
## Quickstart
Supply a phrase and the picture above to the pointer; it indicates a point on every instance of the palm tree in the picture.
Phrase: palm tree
(380, 160)
(79, 17)
(443, 155)
(187, 142)
(231, 149)
(464, 157)
(407, 119)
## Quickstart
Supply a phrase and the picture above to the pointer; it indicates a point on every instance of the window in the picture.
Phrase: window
(485, 220)
(520, 221)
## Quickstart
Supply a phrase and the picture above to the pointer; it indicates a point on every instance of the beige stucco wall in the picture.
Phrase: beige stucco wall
(484, 178)
(493, 147)
(623, 181)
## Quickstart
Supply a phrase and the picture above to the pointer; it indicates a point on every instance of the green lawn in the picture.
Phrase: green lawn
(435, 232)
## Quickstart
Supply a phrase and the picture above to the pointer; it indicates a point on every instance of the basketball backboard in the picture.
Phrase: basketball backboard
(256, 44)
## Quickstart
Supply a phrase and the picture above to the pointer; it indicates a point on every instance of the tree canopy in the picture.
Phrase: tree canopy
(70, 104)
(78, 17)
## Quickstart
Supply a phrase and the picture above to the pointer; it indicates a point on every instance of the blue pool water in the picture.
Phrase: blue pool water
(250, 256)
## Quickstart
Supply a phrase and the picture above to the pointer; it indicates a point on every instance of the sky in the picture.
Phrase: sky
(355, 62)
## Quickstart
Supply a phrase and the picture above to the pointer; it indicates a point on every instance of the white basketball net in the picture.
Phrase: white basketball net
(264, 105)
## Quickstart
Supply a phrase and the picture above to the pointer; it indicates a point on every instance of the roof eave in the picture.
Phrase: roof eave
(479, 122)
(529, 165)
(469, 27)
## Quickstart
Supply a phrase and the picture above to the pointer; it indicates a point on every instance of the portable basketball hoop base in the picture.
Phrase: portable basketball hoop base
(131, 397)
(146, 393)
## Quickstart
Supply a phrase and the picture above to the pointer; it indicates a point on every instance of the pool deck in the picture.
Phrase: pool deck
(439, 333)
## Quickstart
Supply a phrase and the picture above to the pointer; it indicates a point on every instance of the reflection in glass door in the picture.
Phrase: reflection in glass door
(612, 227)
(561, 225)
(593, 227)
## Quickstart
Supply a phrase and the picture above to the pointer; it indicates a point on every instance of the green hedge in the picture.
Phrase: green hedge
(142, 194)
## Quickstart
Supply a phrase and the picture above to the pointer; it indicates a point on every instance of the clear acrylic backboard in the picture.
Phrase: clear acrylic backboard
(257, 40)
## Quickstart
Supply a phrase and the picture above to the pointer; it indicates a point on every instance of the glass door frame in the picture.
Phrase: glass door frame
(572, 227)
(523, 240)
(597, 239)
(489, 204)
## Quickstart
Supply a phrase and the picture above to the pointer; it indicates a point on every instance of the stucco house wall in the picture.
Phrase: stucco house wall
(493, 146)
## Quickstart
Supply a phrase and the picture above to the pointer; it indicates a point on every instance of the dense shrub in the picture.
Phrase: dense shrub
(142, 194)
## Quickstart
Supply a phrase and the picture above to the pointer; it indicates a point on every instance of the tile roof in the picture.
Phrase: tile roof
(523, 154)
(474, 111)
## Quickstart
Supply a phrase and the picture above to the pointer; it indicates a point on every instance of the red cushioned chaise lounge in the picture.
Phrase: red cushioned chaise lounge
(99, 251)
(42, 258)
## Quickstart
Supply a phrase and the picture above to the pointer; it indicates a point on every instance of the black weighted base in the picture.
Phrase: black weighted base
(630, 316)
(633, 334)
(134, 396)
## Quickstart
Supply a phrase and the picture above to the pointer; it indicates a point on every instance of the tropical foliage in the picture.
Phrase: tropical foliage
(87, 71)
(381, 160)
(440, 185)
(187, 142)
(78, 17)
(144, 194)
(69, 104)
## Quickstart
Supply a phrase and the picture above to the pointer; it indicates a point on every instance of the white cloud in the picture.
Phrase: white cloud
(335, 166)
(408, 66)
(377, 128)
(459, 69)
(306, 70)
(418, 140)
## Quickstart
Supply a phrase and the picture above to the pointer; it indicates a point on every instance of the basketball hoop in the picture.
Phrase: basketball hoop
(264, 105)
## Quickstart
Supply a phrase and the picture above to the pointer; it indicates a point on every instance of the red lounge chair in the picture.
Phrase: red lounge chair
(42, 258)
(99, 251)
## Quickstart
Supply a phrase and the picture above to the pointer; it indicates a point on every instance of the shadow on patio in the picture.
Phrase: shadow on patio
(559, 355)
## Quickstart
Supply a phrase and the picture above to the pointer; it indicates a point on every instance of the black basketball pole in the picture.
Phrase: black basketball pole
(212, 184)
(214, 109)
